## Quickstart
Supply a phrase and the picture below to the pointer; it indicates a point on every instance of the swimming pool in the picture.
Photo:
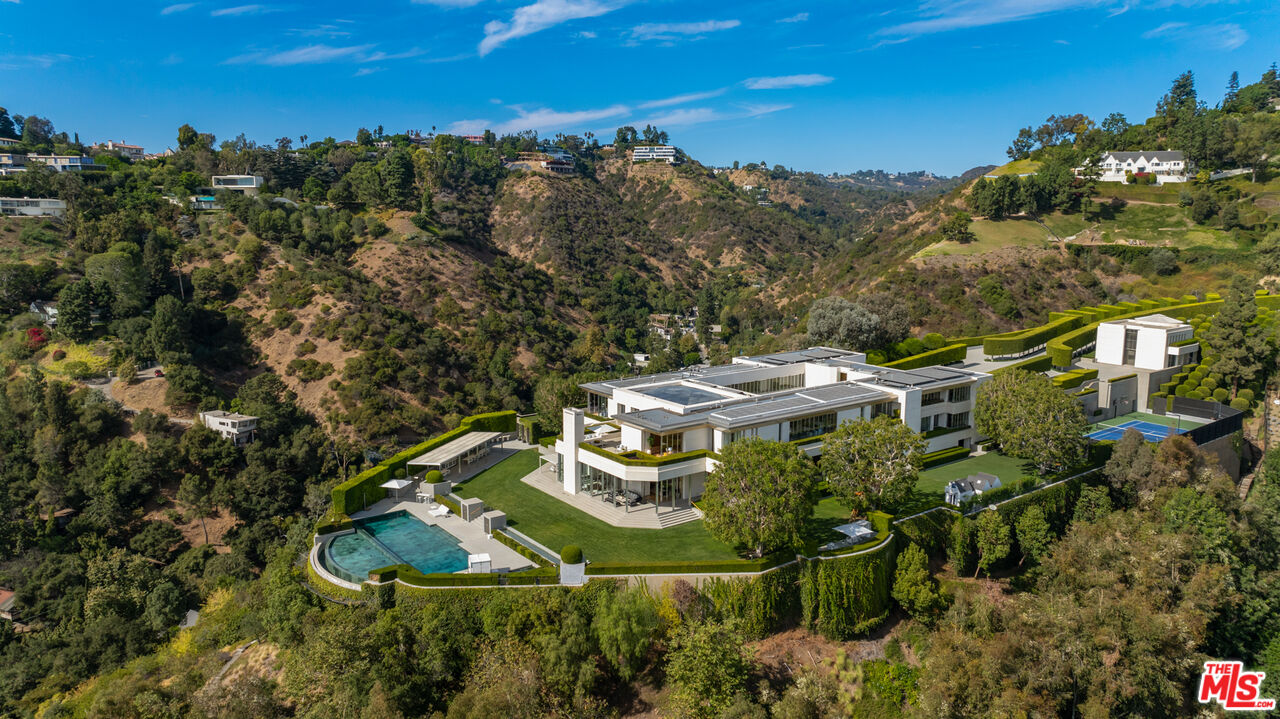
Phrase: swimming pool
(395, 538)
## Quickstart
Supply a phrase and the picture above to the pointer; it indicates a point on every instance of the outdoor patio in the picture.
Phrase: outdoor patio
(644, 515)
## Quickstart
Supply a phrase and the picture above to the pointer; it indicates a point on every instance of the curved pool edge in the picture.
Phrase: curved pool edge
(314, 557)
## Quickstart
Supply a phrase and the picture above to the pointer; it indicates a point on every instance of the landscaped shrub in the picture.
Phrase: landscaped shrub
(945, 355)
(1195, 394)
(1241, 404)
(942, 456)
(433, 477)
(1209, 383)
(1221, 394)
(1035, 364)
(571, 554)
(504, 538)
(760, 604)
(933, 341)
(1017, 343)
(928, 531)
(1246, 394)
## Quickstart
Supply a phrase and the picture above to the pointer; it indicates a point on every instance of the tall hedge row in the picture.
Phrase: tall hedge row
(842, 598)
(763, 604)
(929, 530)
(942, 355)
(1029, 339)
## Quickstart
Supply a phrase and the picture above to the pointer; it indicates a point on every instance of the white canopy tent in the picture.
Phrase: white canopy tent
(857, 533)
(463, 450)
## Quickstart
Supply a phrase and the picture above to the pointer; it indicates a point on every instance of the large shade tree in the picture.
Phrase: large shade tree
(872, 464)
(760, 495)
(1031, 419)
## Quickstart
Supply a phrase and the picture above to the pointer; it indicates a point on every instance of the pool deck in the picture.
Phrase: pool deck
(470, 535)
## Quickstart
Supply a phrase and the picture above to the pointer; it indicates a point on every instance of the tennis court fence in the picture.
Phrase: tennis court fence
(1220, 420)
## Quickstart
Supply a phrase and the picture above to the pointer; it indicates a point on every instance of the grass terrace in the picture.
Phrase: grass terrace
(932, 481)
(556, 524)
(990, 236)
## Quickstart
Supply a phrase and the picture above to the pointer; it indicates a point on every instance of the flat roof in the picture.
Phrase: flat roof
(907, 378)
(682, 394)
(223, 414)
(452, 449)
(1156, 321)
(749, 412)
(811, 354)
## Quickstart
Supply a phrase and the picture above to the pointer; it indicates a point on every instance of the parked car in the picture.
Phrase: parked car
(159, 373)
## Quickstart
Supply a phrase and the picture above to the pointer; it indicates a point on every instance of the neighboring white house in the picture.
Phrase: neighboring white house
(11, 163)
(135, 153)
(1166, 165)
(67, 163)
(32, 207)
(665, 153)
(8, 142)
(663, 427)
(1154, 342)
(241, 429)
(244, 184)
(46, 311)
(962, 490)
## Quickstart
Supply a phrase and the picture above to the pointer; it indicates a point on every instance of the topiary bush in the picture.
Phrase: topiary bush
(433, 477)
(1246, 394)
(571, 554)
(1209, 383)
(1240, 403)
(1195, 394)
(1221, 394)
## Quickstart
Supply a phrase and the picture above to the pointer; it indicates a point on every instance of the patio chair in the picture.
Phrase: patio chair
(608, 495)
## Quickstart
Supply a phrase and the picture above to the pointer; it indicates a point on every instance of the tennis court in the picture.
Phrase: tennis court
(1153, 427)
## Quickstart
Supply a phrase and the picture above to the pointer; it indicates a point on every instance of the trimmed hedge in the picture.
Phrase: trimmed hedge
(634, 458)
(928, 530)
(571, 554)
(509, 541)
(332, 524)
(943, 355)
(942, 456)
(363, 489)
(1035, 364)
(1029, 339)
(731, 565)
(1074, 378)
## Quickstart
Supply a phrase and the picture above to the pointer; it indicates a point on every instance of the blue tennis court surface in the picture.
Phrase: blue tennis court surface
(1151, 431)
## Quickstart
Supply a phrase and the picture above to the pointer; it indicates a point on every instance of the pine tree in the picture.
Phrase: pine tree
(1235, 339)
(1233, 91)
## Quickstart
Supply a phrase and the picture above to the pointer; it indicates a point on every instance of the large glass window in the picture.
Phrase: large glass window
(665, 443)
(958, 394)
(959, 419)
(597, 404)
(929, 398)
(807, 427)
(1130, 346)
(773, 384)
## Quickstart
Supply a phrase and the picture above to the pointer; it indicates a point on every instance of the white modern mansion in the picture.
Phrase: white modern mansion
(1166, 165)
(656, 435)
(244, 184)
(663, 153)
(1154, 342)
(32, 207)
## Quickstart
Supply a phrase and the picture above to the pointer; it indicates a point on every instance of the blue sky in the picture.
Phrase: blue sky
(828, 86)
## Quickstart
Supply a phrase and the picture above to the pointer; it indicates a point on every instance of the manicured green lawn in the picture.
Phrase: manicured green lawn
(556, 524)
(1017, 167)
(933, 480)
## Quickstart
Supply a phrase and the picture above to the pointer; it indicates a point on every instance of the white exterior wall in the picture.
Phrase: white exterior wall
(816, 374)
(632, 437)
(568, 449)
(697, 438)
(1110, 347)
(1153, 347)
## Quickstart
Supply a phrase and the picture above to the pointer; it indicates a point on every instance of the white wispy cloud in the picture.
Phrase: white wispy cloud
(785, 82)
(368, 71)
(587, 35)
(546, 119)
(177, 7)
(798, 17)
(539, 16)
(688, 116)
(670, 31)
(381, 56)
(1225, 36)
(466, 127)
(681, 99)
(329, 31)
(243, 10)
(944, 15)
(45, 60)
(306, 55)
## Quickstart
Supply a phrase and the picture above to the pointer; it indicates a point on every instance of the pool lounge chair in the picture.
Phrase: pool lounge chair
(439, 511)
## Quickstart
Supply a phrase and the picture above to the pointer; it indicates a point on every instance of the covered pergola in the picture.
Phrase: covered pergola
(460, 452)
